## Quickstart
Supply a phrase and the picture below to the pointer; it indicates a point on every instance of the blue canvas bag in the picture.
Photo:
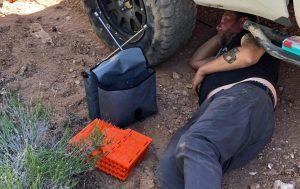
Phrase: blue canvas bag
(122, 88)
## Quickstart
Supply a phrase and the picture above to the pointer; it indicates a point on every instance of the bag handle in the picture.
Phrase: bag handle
(120, 47)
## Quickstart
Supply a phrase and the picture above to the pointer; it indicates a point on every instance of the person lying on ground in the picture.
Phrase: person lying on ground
(235, 80)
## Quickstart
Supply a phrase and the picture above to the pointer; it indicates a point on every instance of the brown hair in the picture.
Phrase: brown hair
(251, 17)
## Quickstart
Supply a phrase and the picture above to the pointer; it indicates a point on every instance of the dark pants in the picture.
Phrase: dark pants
(229, 130)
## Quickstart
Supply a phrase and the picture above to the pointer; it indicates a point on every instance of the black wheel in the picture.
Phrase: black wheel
(170, 24)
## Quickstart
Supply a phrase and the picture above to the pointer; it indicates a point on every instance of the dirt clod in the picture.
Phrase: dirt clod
(37, 30)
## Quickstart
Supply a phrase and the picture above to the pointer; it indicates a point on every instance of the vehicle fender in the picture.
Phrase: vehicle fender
(275, 10)
(297, 11)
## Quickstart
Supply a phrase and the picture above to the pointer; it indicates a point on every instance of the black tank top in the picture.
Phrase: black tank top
(266, 68)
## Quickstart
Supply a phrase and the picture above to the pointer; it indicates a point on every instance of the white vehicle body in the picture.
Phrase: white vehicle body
(275, 10)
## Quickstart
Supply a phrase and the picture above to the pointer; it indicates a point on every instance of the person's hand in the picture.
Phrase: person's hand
(198, 78)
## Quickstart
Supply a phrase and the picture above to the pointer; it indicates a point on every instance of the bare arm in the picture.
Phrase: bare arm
(246, 55)
(206, 52)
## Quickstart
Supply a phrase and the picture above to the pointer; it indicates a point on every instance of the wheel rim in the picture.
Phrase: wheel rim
(124, 17)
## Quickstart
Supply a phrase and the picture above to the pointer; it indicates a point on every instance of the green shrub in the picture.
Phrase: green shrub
(28, 159)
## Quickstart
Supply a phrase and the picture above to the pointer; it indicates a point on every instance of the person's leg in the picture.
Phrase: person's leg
(167, 173)
(169, 177)
(234, 120)
(260, 138)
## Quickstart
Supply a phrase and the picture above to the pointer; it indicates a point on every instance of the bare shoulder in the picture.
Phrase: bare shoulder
(249, 39)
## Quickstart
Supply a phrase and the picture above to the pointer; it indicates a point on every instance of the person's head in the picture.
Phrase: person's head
(232, 22)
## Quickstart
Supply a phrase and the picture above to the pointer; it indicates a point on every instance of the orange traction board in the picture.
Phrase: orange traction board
(123, 151)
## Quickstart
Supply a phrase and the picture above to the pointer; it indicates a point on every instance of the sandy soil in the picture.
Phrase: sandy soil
(51, 70)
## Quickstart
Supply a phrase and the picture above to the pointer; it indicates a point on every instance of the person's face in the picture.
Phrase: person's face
(230, 23)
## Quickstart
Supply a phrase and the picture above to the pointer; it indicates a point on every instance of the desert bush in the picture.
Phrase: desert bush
(30, 159)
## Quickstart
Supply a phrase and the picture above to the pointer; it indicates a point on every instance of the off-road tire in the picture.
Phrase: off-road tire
(170, 25)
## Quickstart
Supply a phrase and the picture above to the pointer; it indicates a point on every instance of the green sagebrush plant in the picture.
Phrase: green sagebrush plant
(30, 159)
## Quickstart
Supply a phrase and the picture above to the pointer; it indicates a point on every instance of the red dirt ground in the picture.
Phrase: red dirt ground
(53, 71)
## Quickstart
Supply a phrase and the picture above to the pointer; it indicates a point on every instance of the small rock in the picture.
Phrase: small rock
(278, 184)
(68, 18)
(286, 156)
(22, 70)
(73, 61)
(270, 165)
(71, 70)
(176, 75)
(280, 89)
(252, 173)
(77, 82)
(292, 155)
(189, 86)
(74, 76)
(254, 186)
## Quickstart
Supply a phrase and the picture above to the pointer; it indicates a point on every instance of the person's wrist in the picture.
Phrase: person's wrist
(201, 71)
(199, 76)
